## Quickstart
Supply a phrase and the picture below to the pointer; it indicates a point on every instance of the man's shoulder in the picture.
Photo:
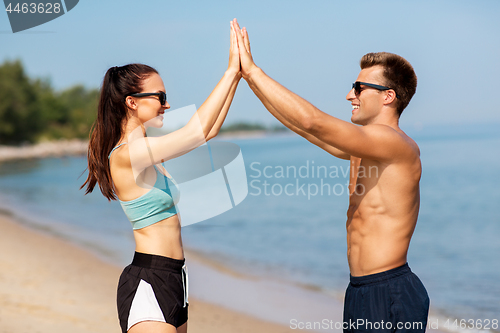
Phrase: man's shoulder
(411, 144)
(404, 144)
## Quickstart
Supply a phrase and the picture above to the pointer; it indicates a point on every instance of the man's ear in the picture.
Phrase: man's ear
(390, 97)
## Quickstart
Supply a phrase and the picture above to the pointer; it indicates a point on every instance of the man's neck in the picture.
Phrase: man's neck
(385, 119)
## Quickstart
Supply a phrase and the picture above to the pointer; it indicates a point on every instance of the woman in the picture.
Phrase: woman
(125, 163)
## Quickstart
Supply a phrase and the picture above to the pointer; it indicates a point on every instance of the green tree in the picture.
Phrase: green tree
(54, 114)
(19, 119)
(30, 110)
(68, 114)
(82, 106)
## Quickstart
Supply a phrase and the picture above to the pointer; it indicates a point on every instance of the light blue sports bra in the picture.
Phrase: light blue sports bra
(155, 205)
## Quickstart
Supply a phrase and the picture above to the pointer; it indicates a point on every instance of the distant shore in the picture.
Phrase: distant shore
(58, 148)
(239, 135)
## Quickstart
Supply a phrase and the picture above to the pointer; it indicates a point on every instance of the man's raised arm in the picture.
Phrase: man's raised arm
(311, 138)
(375, 141)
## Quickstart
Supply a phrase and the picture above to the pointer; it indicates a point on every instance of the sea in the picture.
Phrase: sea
(291, 225)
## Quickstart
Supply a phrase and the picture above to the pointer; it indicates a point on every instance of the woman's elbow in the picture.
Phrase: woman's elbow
(212, 134)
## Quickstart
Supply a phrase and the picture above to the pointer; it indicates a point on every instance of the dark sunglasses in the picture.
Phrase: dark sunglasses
(161, 95)
(357, 87)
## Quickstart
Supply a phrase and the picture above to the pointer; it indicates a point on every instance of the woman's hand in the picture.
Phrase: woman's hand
(234, 56)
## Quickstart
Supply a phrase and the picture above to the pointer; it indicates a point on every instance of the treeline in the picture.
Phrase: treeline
(31, 111)
(242, 126)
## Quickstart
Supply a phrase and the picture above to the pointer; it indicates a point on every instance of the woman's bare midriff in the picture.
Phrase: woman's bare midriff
(162, 238)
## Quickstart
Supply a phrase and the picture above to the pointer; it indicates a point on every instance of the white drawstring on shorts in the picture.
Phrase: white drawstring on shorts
(185, 284)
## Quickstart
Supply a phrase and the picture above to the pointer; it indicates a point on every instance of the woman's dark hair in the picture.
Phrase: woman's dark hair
(107, 129)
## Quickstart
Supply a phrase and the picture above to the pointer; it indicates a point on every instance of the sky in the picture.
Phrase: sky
(311, 47)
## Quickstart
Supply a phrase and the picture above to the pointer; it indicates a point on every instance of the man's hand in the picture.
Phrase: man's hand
(246, 60)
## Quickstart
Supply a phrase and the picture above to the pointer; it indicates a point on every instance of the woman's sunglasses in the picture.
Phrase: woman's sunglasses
(161, 95)
(357, 87)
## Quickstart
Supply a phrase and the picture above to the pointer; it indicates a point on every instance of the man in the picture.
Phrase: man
(383, 294)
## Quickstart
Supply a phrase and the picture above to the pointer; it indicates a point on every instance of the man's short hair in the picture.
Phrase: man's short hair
(398, 75)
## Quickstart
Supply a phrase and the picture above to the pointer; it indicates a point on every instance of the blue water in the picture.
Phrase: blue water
(299, 235)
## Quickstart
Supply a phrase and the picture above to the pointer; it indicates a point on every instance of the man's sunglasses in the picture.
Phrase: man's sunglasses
(161, 95)
(357, 87)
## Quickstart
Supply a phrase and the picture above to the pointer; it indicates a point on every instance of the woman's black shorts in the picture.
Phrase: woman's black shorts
(153, 288)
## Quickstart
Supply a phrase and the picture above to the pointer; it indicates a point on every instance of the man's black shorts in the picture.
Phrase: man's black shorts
(390, 301)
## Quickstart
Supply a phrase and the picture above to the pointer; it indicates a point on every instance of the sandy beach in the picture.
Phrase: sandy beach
(50, 285)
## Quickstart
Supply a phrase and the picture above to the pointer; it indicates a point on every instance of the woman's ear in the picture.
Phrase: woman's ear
(131, 103)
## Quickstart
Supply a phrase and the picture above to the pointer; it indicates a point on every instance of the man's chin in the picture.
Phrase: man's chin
(359, 121)
(356, 121)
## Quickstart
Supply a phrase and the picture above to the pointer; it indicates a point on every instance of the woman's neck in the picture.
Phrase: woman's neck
(132, 129)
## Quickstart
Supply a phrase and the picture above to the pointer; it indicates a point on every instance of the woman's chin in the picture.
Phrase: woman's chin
(156, 122)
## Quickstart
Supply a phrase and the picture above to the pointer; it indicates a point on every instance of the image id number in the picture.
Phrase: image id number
(472, 324)
(47, 8)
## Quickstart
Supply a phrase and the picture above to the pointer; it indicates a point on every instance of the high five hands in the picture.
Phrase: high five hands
(243, 46)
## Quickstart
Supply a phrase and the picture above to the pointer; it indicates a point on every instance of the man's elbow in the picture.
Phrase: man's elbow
(309, 123)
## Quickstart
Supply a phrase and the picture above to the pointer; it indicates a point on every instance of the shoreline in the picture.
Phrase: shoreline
(58, 148)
